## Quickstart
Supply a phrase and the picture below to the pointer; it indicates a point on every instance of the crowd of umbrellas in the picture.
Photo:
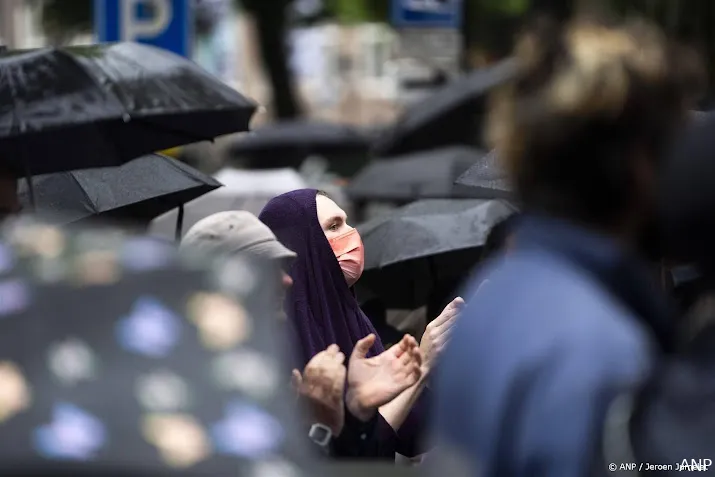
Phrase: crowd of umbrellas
(81, 127)
(441, 186)
(84, 125)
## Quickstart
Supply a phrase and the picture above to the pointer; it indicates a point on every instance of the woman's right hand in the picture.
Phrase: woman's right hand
(437, 332)
(322, 385)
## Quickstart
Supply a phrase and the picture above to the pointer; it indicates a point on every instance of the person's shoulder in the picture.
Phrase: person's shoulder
(550, 301)
(530, 280)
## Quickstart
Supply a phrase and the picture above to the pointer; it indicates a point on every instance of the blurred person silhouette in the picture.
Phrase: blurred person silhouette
(238, 231)
(572, 313)
(324, 311)
(322, 384)
(671, 420)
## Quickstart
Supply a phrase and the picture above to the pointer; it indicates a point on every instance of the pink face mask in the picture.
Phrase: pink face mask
(349, 251)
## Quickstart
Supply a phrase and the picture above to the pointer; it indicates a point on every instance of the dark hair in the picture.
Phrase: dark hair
(498, 236)
(587, 96)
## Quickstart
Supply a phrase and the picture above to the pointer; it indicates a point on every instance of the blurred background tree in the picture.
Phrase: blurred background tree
(359, 11)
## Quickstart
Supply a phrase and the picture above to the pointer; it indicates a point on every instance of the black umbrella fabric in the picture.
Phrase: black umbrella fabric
(687, 196)
(101, 105)
(139, 190)
(286, 143)
(424, 175)
(129, 360)
(487, 179)
(310, 137)
(452, 115)
(410, 252)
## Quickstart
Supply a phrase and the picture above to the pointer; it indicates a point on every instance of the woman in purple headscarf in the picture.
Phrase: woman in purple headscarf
(324, 311)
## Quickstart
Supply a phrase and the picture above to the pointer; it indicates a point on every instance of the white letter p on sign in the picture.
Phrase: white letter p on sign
(133, 28)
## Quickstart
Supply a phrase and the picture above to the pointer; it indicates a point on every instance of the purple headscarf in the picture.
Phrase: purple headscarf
(321, 307)
(323, 310)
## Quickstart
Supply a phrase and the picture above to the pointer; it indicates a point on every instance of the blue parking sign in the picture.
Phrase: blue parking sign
(167, 24)
(427, 13)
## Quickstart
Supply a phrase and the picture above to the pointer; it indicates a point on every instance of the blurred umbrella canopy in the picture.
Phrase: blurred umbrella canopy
(142, 362)
(423, 175)
(102, 105)
(487, 179)
(451, 115)
(138, 190)
(409, 251)
(288, 143)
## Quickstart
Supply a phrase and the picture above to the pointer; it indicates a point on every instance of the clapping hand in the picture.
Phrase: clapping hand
(437, 333)
(373, 382)
(322, 385)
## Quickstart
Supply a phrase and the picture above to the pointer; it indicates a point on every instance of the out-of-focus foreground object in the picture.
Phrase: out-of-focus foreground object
(121, 357)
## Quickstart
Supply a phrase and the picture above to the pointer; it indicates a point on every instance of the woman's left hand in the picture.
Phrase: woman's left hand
(436, 334)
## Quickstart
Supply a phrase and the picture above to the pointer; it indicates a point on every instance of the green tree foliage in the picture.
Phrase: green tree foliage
(357, 11)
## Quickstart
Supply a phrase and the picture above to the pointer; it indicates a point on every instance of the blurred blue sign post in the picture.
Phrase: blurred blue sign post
(427, 13)
(163, 23)
(430, 43)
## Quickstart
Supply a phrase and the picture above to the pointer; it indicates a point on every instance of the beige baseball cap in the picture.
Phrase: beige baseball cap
(233, 232)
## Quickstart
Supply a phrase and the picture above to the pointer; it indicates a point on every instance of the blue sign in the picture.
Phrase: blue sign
(167, 24)
(427, 13)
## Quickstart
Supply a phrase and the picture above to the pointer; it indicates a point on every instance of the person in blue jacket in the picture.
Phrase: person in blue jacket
(572, 313)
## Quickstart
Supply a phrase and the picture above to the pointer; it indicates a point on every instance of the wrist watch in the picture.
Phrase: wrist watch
(320, 434)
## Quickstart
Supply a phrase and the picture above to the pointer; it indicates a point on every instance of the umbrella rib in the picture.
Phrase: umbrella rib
(129, 59)
(125, 111)
(16, 120)
(194, 137)
(15, 115)
(94, 80)
(98, 84)
(84, 192)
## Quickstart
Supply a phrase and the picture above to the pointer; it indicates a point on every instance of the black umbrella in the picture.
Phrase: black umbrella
(452, 115)
(487, 179)
(142, 362)
(411, 252)
(687, 195)
(428, 174)
(284, 143)
(138, 190)
(101, 105)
